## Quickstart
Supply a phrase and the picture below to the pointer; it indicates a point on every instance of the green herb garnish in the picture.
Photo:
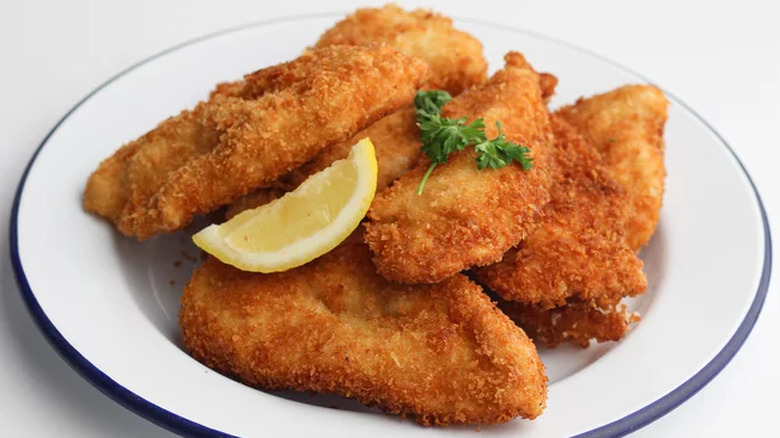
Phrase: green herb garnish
(442, 136)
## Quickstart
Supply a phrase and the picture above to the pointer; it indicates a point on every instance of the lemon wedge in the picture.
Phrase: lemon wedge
(303, 224)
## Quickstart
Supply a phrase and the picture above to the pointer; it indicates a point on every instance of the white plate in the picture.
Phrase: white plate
(108, 304)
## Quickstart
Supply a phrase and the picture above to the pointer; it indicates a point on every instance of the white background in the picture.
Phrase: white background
(722, 58)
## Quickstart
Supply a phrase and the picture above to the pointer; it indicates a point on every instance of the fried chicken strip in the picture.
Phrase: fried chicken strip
(626, 125)
(442, 353)
(130, 177)
(577, 322)
(456, 64)
(455, 57)
(396, 140)
(568, 285)
(465, 216)
(202, 159)
(578, 248)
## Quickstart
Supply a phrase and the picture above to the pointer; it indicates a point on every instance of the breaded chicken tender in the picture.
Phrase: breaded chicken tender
(282, 117)
(456, 64)
(578, 248)
(397, 143)
(455, 57)
(396, 140)
(442, 353)
(138, 169)
(547, 82)
(467, 217)
(578, 322)
(584, 280)
(626, 125)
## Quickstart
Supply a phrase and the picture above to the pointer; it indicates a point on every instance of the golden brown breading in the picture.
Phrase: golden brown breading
(626, 125)
(396, 140)
(202, 159)
(456, 62)
(547, 82)
(138, 169)
(455, 57)
(578, 248)
(465, 216)
(105, 193)
(442, 353)
(577, 322)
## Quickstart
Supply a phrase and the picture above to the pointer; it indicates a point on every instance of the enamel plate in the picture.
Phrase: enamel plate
(108, 304)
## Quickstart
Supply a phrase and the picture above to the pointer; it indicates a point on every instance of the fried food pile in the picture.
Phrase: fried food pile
(400, 315)
(442, 352)
(248, 134)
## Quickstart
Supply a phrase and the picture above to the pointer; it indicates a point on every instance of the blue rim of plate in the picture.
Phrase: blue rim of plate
(184, 426)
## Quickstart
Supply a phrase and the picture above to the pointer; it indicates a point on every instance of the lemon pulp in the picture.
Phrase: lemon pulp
(301, 225)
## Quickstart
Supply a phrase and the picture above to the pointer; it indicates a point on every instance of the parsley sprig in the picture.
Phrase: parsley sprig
(442, 136)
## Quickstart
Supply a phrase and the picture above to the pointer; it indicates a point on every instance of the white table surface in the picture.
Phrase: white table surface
(722, 58)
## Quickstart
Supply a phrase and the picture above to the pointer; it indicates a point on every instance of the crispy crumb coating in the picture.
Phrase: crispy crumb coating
(578, 248)
(578, 322)
(397, 143)
(626, 125)
(456, 64)
(396, 140)
(442, 353)
(465, 216)
(134, 173)
(455, 57)
(105, 193)
(201, 159)
(547, 82)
